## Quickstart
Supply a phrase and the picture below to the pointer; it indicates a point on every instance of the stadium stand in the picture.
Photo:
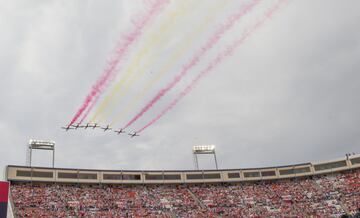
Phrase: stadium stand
(331, 194)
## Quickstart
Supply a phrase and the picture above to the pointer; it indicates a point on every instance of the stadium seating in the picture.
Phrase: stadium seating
(330, 195)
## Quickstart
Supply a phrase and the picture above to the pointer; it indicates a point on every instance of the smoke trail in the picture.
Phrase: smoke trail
(181, 49)
(156, 38)
(225, 53)
(208, 45)
(121, 50)
(89, 109)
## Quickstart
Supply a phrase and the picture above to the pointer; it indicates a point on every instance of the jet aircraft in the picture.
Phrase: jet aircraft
(133, 135)
(86, 126)
(106, 128)
(66, 128)
(95, 126)
(76, 126)
(120, 131)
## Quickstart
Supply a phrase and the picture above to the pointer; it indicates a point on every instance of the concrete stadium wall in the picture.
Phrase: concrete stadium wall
(61, 175)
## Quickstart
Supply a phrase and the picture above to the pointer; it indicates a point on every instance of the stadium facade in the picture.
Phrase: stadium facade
(41, 174)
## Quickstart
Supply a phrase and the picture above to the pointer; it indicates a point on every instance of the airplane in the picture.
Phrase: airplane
(66, 128)
(133, 135)
(94, 126)
(120, 131)
(86, 126)
(106, 128)
(76, 126)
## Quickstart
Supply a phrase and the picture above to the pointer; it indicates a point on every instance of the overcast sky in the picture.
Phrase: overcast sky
(289, 94)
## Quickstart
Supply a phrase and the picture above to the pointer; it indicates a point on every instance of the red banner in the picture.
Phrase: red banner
(4, 192)
(4, 196)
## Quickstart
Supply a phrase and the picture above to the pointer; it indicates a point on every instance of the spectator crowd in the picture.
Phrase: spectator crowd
(322, 196)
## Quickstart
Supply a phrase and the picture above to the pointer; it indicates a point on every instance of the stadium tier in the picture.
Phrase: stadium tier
(326, 189)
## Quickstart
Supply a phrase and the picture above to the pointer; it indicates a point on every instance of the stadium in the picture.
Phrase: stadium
(322, 189)
(188, 108)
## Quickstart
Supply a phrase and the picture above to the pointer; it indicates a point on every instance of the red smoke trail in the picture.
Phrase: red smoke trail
(93, 103)
(121, 50)
(196, 58)
(227, 52)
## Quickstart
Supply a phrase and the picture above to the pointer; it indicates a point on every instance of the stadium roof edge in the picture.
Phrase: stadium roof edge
(191, 170)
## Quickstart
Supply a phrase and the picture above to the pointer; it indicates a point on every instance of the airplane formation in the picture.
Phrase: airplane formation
(94, 126)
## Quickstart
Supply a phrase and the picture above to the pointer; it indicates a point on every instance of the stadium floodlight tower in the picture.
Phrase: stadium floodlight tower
(203, 149)
(40, 145)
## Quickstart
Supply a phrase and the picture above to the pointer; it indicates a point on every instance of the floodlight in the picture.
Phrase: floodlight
(40, 145)
(203, 149)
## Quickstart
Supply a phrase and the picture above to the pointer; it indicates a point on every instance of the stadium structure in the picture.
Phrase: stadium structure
(316, 189)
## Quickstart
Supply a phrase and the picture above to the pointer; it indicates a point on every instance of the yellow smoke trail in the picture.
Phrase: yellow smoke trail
(182, 48)
(156, 38)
